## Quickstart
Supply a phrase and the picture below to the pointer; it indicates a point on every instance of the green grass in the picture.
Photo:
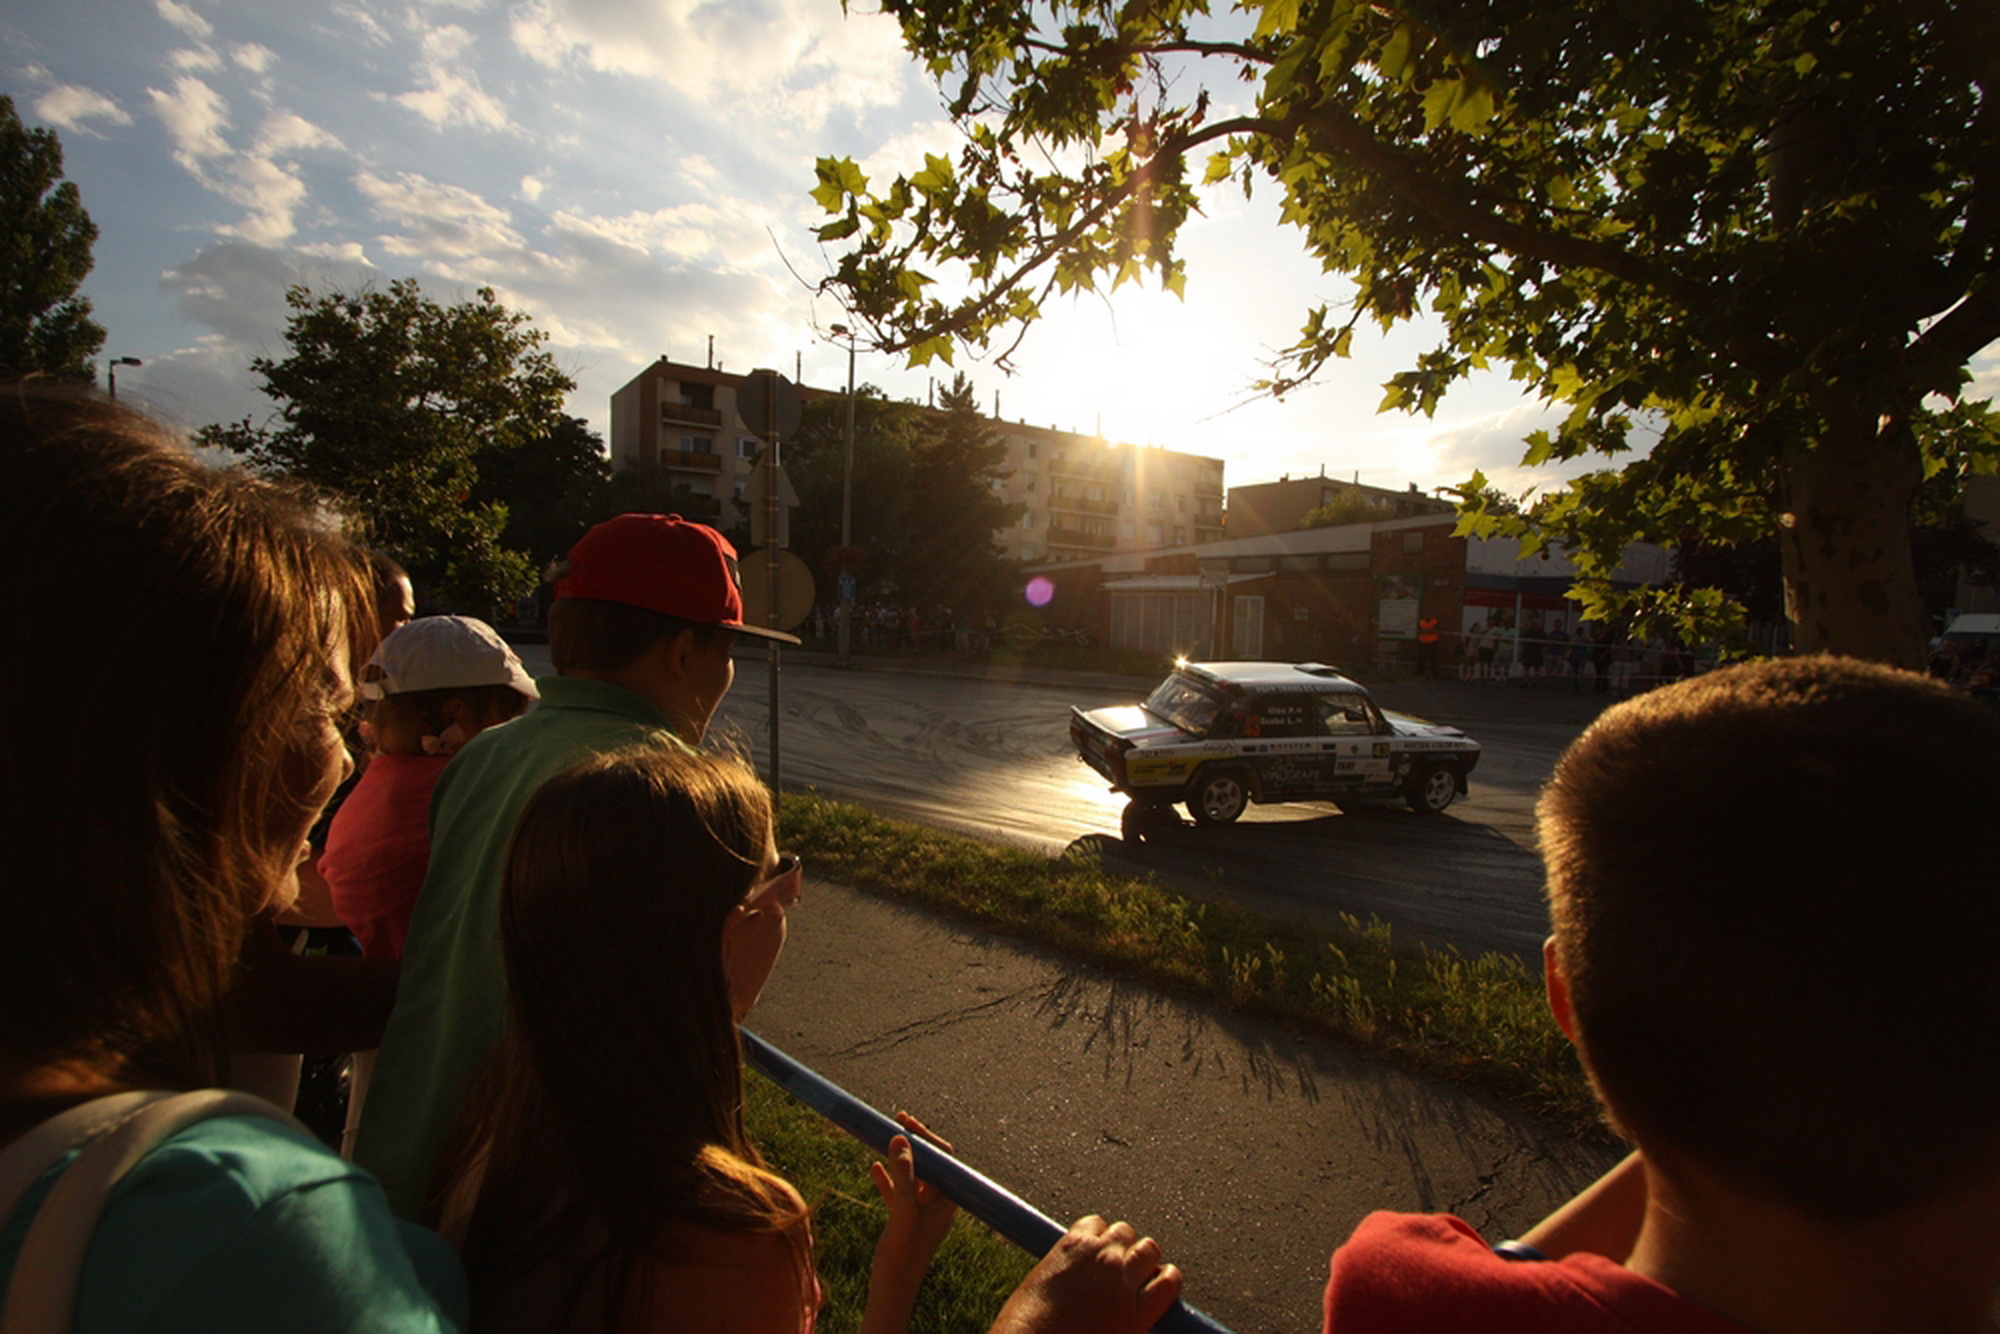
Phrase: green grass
(973, 1272)
(1480, 1021)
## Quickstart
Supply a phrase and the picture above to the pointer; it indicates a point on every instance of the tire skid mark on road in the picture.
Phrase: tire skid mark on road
(934, 1024)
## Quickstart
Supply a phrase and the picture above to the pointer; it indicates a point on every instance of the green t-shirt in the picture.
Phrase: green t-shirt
(239, 1223)
(451, 1007)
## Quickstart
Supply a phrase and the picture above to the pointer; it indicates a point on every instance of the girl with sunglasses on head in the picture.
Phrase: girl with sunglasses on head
(604, 1180)
(170, 699)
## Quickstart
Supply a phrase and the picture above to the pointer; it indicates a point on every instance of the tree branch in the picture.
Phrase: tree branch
(1048, 248)
(1338, 132)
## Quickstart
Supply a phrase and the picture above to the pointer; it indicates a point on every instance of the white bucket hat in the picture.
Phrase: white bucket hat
(444, 653)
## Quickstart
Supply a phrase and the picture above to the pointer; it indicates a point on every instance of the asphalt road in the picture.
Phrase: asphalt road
(992, 757)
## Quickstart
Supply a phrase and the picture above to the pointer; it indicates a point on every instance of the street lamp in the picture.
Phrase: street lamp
(846, 576)
(111, 371)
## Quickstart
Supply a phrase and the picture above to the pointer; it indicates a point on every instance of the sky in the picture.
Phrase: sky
(634, 176)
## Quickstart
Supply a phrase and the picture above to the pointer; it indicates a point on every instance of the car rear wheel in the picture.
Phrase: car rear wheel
(1434, 788)
(1218, 797)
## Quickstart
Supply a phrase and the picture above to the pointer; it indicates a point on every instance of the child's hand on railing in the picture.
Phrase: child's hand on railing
(1101, 1278)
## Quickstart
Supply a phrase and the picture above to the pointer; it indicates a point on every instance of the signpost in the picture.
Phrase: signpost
(769, 406)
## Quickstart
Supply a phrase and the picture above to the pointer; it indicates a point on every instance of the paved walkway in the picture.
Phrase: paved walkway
(1249, 1149)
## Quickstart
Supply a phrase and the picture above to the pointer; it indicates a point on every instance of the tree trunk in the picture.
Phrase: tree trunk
(1850, 584)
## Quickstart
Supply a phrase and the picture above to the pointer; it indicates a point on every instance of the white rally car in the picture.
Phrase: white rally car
(1221, 735)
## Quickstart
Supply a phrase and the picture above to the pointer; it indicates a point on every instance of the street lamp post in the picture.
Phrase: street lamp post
(846, 576)
(111, 372)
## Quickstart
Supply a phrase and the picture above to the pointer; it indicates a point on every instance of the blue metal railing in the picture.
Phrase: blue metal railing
(988, 1201)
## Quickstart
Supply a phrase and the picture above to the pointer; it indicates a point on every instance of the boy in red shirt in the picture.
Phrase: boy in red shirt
(1777, 949)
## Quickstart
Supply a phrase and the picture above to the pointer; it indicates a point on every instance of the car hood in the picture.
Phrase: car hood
(1131, 723)
(1405, 725)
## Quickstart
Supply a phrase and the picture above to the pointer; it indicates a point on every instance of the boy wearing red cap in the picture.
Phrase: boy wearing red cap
(647, 608)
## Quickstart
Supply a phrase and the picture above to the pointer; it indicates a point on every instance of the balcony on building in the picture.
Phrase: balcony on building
(1077, 537)
(689, 412)
(1080, 505)
(689, 460)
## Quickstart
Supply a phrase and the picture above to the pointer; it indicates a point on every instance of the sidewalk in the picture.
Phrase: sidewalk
(1250, 1150)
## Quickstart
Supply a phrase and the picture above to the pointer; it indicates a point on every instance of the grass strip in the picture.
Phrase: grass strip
(1480, 1021)
(974, 1270)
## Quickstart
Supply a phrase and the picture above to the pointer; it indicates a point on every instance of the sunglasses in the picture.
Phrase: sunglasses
(781, 890)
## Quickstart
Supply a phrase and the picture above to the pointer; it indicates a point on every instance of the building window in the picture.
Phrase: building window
(1156, 500)
(1155, 534)
(1093, 493)
(1180, 536)
(1031, 486)
(1180, 503)
(1027, 521)
(1131, 528)
(1031, 449)
(746, 446)
(1413, 542)
(694, 444)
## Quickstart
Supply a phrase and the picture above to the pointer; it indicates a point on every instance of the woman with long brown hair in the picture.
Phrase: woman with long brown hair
(175, 661)
(605, 1181)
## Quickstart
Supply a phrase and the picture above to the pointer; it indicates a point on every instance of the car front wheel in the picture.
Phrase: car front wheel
(1218, 798)
(1434, 788)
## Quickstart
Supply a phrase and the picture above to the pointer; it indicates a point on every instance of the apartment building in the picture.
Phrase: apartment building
(1082, 496)
(684, 418)
(1086, 497)
(1281, 506)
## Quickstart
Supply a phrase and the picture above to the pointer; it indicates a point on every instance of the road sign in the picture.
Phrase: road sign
(768, 404)
(795, 589)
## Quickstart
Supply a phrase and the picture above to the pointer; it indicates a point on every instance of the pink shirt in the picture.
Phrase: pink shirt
(378, 847)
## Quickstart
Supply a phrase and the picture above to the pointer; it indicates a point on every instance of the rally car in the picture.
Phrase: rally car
(1220, 735)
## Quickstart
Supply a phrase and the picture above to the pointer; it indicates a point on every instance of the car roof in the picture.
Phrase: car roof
(1315, 677)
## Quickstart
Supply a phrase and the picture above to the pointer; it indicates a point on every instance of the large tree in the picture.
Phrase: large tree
(1760, 239)
(45, 244)
(955, 511)
(394, 403)
(886, 433)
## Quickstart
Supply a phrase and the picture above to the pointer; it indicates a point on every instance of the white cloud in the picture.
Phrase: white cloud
(264, 180)
(284, 132)
(371, 27)
(531, 188)
(69, 107)
(253, 57)
(790, 62)
(183, 17)
(447, 94)
(194, 60)
(440, 222)
(195, 117)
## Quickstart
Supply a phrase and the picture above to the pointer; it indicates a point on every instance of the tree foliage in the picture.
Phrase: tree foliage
(45, 254)
(1345, 508)
(954, 509)
(1752, 240)
(885, 446)
(426, 421)
(924, 510)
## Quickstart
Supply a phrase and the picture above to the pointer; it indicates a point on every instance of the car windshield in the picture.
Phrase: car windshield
(1186, 703)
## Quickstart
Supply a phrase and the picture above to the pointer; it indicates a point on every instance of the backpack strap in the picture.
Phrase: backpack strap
(120, 1130)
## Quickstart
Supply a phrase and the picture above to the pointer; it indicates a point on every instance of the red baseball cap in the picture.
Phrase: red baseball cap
(663, 563)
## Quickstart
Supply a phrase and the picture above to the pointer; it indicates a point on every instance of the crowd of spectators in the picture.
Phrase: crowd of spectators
(1796, 1027)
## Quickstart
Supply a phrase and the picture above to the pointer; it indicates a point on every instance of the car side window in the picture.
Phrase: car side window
(1345, 715)
(1283, 716)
